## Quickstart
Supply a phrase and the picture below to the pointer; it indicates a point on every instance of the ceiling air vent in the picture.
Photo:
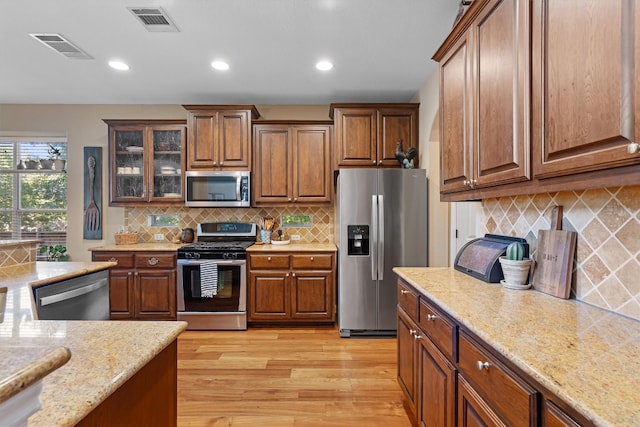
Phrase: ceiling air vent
(61, 45)
(154, 19)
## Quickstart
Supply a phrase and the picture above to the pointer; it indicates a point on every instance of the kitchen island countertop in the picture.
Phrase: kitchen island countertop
(80, 363)
(585, 355)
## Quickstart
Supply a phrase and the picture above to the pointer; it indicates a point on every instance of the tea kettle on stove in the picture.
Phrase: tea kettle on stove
(187, 235)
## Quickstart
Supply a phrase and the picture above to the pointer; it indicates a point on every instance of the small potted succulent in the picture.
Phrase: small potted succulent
(515, 267)
(54, 156)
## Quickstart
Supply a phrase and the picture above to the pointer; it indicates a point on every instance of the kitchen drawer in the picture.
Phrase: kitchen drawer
(313, 261)
(511, 397)
(278, 262)
(155, 260)
(438, 328)
(408, 300)
(124, 259)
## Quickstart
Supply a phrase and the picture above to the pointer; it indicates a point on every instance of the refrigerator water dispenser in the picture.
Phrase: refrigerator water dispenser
(358, 240)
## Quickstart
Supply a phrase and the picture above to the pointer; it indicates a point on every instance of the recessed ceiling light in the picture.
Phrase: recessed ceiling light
(324, 65)
(118, 65)
(220, 65)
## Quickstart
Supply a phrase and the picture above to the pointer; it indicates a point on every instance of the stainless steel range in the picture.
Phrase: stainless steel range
(212, 276)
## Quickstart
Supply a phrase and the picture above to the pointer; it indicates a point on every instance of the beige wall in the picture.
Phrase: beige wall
(83, 126)
(430, 160)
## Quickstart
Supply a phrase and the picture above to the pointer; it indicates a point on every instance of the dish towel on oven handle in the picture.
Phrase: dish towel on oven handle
(208, 279)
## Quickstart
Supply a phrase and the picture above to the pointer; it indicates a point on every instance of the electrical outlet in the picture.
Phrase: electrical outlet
(295, 237)
(158, 236)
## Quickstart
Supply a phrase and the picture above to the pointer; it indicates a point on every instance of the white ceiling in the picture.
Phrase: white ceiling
(381, 50)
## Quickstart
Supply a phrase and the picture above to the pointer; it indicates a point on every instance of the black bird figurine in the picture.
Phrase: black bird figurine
(405, 159)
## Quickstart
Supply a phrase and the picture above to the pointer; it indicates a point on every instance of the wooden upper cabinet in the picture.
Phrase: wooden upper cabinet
(219, 136)
(146, 159)
(484, 98)
(585, 96)
(292, 163)
(455, 117)
(366, 135)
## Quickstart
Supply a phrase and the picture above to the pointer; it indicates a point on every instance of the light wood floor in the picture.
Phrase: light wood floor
(287, 377)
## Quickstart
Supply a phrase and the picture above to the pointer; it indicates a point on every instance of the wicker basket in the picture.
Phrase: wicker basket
(126, 238)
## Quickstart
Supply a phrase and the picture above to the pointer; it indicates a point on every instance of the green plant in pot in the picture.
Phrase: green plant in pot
(515, 267)
(55, 252)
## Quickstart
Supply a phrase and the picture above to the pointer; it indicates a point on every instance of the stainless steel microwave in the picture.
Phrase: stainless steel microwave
(217, 189)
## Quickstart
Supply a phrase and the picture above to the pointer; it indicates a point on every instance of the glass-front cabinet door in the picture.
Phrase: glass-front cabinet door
(167, 163)
(146, 161)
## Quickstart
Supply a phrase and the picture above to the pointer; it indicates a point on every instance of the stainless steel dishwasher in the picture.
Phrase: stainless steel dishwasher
(80, 298)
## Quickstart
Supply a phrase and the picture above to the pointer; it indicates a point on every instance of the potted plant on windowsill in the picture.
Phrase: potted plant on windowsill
(54, 156)
(515, 267)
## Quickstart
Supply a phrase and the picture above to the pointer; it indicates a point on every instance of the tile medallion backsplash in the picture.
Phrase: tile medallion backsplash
(320, 232)
(607, 263)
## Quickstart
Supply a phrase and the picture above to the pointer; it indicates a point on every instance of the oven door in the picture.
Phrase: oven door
(231, 295)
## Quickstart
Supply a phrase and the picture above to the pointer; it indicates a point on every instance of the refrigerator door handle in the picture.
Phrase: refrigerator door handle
(374, 237)
(380, 237)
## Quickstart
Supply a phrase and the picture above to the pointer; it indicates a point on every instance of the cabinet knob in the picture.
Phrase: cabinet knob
(295, 199)
(286, 275)
(482, 365)
(412, 332)
(289, 199)
(311, 259)
(633, 148)
(465, 182)
(293, 274)
(215, 163)
(431, 317)
(404, 291)
(221, 163)
(374, 162)
(379, 162)
(135, 274)
(417, 336)
(269, 258)
(129, 273)
(113, 259)
(153, 261)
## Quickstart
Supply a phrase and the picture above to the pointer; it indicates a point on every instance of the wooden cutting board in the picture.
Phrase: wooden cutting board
(554, 262)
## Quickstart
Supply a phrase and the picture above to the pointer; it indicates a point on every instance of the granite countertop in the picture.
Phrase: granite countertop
(80, 363)
(587, 356)
(293, 247)
(159, 246)
(13, 243)
(104, 355)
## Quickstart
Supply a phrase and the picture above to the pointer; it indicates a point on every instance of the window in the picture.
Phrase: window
(33, 193)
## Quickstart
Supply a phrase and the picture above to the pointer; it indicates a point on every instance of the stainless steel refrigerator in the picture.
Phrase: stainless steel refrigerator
(381, 223)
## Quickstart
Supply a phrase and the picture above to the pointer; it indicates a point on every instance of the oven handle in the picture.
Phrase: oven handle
(218, 261)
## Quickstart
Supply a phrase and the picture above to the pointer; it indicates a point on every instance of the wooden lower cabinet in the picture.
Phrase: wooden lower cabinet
(291, 288)
(450, 377)
(142, 286)
(149, 398)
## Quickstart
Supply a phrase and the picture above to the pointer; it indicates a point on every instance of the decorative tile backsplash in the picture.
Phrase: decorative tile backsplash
(607, 266)
(320, 232)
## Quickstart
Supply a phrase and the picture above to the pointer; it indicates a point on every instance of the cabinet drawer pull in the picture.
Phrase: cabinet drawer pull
(482, 365)
(417, 336)
(113, 259)
(153, 261)
(404, 291)
(412, 332)
(431, 317)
